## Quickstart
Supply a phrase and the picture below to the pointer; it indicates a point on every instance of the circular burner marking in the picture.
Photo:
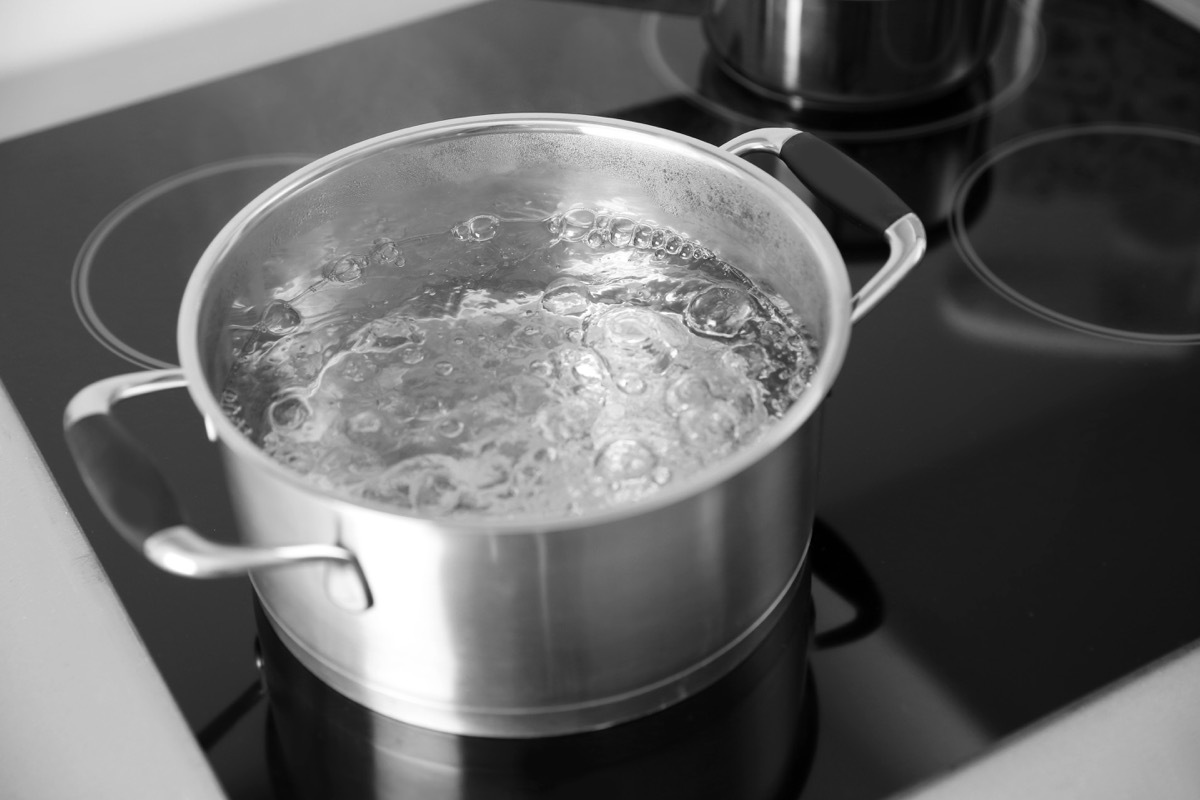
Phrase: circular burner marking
(1093, 227)
(130, 274)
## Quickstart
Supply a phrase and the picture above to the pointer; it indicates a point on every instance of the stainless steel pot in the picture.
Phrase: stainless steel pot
(509, 627)
(852, 53)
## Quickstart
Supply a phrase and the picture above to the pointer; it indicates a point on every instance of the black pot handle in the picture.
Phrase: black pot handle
(846, 186)
(130, 490)
(836, 564)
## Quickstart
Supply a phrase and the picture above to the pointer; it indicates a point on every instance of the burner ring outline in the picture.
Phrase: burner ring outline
(81, 271)
(962, 240)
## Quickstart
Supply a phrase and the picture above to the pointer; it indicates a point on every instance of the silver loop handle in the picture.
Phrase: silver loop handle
(843, 183)
(132, 493)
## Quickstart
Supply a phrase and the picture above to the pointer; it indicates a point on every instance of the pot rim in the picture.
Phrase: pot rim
(831, 349)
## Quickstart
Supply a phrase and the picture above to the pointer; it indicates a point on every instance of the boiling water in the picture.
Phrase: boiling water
(548, 366)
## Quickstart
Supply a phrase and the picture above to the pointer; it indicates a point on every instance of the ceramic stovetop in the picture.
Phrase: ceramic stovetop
(1008, 452)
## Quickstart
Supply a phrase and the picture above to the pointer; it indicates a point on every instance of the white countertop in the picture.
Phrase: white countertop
(85, 711)
(62, 60)
(94, 719)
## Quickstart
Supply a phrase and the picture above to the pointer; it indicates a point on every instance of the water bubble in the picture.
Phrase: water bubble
(386, 252)
(443, 368)
(479, 228)
(631, 384)
(450, 428)
(622, 231)
(686, 251)
(749, 359)
(596, 238)
(658, 238)
(643, 236)
(345, 270)
(566, 298)
(626, 459)
(280, 318)
(720, 311)
(687, 391)
(660, 254)
(554, 225)
(412, 354)
(483, 227)
(577, 223)
(633, 339)
(288, 413)
(673, 245)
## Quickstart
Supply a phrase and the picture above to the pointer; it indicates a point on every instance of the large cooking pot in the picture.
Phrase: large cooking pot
(523, 626)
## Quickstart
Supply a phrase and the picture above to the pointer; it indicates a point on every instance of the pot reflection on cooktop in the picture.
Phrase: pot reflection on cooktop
(750, 736)
(753, 734)
(130, 274)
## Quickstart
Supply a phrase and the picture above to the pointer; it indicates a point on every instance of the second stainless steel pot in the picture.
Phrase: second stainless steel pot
(524, 626)
(851, 54)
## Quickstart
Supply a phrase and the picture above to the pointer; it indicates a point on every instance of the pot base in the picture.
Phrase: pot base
(550, 720)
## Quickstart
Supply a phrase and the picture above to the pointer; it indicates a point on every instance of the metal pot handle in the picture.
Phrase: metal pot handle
(842, 183)
(131, 491)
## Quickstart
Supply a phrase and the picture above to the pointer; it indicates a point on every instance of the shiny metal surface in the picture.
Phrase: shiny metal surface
(521, 627)
(852, 53)
(531, 626)
(535, 626)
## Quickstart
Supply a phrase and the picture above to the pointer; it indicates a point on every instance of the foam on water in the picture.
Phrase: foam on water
(589, 359)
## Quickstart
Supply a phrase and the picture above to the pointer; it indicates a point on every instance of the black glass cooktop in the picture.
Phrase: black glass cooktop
(1009, 468)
